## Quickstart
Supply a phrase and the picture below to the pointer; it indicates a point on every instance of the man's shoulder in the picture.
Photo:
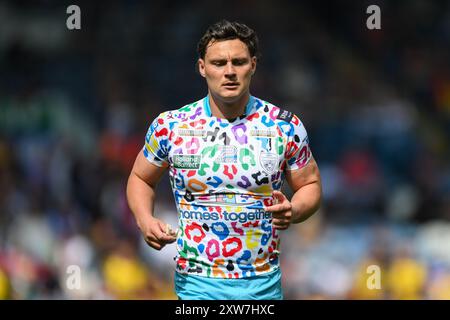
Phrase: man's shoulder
(184, 113)
(276, 113)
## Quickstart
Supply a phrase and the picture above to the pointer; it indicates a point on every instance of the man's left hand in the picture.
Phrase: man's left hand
(281, 211)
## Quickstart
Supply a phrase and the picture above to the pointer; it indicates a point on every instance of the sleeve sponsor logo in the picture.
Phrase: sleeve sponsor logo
(285, 115)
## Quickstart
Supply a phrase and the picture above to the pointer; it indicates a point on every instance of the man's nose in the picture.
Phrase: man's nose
(229, 70)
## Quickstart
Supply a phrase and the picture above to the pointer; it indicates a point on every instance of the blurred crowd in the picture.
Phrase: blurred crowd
(75, 107)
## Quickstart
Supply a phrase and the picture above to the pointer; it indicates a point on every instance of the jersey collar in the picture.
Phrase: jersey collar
(248, 108)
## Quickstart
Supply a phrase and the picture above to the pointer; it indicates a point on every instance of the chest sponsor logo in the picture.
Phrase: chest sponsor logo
(227, 154)
(262, 133)
(218, 199)
(242, 217)
(186, 161)
(191, 133)
(225, 197)
(269, 162)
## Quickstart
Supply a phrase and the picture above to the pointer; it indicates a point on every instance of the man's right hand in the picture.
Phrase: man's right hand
(154, 232)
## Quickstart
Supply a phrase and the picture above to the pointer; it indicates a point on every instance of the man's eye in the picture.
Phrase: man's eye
(218, 63)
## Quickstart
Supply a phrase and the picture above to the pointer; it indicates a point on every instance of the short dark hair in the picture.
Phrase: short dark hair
(226, 30)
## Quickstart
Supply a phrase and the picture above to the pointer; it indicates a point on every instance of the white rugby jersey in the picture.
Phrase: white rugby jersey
(222, 174)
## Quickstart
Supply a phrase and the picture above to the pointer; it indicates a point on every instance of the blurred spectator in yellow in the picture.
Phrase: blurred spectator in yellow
(361, 289)
(406, 276)
(125, 275)
(5, 287)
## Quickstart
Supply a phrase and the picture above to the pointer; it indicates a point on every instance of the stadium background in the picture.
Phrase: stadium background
(75, 106)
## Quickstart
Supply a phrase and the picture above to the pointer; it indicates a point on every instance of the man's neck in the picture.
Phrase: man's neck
(232, 110)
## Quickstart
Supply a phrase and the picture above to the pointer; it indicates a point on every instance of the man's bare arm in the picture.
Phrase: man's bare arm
(141, 187)
(307, 188)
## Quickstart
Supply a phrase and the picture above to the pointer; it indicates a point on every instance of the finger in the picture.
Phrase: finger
(284, 227)
(154, 244)
(170, 231)
(160, 234)
(285, 214)
(159, 243)
(171, 240)
(162, 238)
(278, 207)
(280, 222)
(166, 238)
(278, 196)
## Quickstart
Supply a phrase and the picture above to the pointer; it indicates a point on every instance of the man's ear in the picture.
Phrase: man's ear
(254, 62)
(201, 67)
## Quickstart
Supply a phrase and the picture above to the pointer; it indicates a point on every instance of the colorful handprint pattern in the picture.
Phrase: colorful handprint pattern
(222, 174)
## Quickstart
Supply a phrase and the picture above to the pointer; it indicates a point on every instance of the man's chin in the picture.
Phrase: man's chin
(230, 96)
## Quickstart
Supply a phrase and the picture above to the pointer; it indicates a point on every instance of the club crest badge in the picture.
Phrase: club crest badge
(269, 162)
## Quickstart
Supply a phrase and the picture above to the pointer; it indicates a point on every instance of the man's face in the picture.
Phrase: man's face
(228, 69)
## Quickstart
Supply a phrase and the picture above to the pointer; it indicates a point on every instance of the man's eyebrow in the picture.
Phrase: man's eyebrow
(225, 59)
(218, 59)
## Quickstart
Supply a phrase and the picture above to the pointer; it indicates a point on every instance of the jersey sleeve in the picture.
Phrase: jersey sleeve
(298, 152)
(156, 145)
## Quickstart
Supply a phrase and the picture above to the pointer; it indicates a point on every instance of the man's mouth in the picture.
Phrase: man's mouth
(231, 85)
